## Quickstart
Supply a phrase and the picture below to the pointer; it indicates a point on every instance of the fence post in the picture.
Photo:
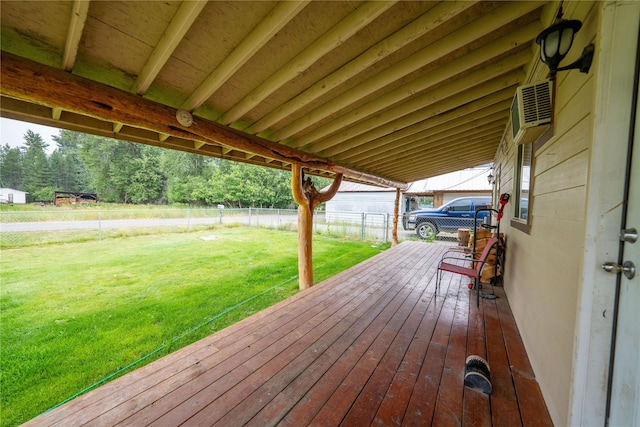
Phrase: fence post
(220, 215)
(362, 225)
(315, 221)
(278, 220)
(386, 228)
(188, 220)
(99, 226)
(249, 216)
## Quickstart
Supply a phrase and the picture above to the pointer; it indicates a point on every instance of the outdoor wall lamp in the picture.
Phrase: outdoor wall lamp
(490, 177)
(555, 43)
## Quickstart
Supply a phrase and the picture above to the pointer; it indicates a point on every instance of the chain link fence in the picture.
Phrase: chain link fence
(442, 227)
(27, 228)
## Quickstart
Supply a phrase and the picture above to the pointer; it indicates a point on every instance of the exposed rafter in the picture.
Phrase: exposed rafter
(427, 22)
(36, 83)
(430, 54)
(487, 77)
(440, 133)
(79, 12)
(385, 91)
(267, 29)
(464, 144)
(362, 16)
(496, 90)
(436, 144)
(438, 90)
(180, 24)
(402, 139)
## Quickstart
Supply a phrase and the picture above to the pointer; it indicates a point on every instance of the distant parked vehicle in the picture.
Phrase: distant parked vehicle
(458, 213)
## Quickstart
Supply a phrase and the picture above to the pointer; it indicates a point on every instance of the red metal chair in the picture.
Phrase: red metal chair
(472, 273)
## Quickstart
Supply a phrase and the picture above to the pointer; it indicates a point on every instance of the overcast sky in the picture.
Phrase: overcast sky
(12, 133)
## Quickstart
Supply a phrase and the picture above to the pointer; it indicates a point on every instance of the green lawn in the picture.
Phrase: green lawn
(73, 314)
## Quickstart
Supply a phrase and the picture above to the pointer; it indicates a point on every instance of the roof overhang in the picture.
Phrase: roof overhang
(384, 92)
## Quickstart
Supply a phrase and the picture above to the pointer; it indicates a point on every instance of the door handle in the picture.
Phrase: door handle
(629, 235)
(628, 268)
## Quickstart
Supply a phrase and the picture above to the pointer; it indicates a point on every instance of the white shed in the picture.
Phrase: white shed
(352, 200)
(9, 195)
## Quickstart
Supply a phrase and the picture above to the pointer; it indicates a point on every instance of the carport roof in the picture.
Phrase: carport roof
(385, 92)
(474, 179)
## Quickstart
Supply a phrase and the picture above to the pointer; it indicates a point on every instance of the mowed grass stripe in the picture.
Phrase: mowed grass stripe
(75, 313)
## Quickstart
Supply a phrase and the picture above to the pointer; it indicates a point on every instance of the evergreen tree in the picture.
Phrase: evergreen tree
(186, 175)
(109, 165)
(36, 170)
(147, 182)
(69, 173)
(11, 167)
(125, 172)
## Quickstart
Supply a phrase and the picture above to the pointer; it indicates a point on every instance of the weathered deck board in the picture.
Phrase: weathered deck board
(375, 345)
(477, 408)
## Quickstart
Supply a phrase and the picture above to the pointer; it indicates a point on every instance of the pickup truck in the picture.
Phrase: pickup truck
(458, 213)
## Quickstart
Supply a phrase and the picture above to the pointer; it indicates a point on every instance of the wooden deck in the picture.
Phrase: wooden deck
(371, 346)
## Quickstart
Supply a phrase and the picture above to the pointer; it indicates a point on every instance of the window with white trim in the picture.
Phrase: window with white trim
(523, 182)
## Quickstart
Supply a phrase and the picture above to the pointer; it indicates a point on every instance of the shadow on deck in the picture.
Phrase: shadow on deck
(371, 346)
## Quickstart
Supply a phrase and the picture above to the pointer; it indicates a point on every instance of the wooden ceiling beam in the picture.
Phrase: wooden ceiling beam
(482, 156)
(487, 81)
(459, 147)
(472, 117)
(172, 36)
(429, 21)
(435, 78)
(217, 152)
(117, 127)
(441, 145)
(36, 83)
(346, 28)
(470, 128)
(79, 13)
(56, 113)
(462, 37)
(326, 137)
(426, 118)
(280, 16)
(448, 150)
(19, 110)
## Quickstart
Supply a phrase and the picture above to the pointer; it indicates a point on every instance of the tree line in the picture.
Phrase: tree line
(125, 172)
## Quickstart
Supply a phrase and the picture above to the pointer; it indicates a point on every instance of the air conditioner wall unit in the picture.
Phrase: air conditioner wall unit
(531, 111)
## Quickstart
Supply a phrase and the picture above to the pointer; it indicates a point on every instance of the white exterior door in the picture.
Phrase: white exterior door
(625, 386)
(605, 390)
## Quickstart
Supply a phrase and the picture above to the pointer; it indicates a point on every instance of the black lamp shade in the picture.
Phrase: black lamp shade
(556, 41)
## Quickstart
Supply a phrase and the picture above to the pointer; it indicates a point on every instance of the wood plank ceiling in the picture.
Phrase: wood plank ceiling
(387, 92)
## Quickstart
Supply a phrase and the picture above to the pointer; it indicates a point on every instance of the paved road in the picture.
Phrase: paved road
(273, 220)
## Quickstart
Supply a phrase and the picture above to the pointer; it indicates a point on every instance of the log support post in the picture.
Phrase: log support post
(396, 214)
(307, 197)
